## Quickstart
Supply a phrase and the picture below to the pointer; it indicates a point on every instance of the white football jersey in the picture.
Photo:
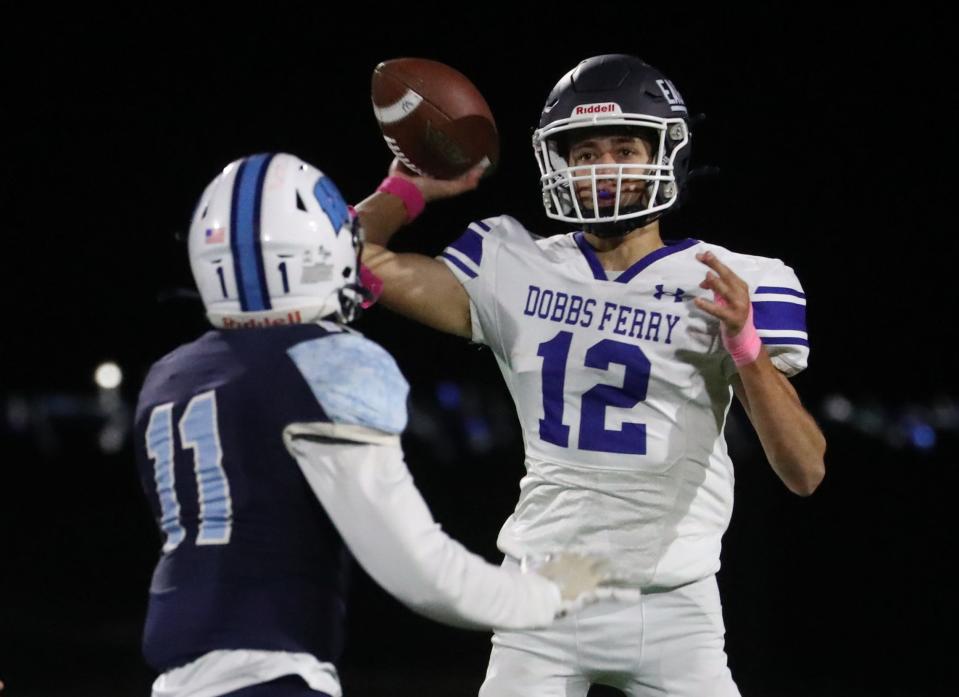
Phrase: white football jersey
(621, 385)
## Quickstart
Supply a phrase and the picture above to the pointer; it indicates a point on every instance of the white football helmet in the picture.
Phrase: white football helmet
(272, 242)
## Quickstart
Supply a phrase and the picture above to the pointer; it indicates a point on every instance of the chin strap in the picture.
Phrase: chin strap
(620, 227)
(353, 297)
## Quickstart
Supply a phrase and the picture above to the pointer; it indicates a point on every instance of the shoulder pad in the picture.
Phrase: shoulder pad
(355, 381)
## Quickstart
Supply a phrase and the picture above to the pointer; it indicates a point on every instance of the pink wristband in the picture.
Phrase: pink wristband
(373, 283)
(407, 192)
(745, 346)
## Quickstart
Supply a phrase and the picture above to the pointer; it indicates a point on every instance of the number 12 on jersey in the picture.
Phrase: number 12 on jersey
(593, 434)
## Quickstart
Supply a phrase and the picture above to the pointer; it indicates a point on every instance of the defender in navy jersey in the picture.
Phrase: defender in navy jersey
(269, 450)
(622, 352)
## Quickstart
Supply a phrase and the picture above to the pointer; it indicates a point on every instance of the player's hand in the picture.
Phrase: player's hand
(433, 189)
(575, 574)
(730, 303)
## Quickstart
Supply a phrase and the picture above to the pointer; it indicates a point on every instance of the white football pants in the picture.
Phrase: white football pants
(667, 644)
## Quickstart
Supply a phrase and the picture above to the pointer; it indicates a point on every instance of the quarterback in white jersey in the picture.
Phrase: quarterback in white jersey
(621, 385)
(622, 353)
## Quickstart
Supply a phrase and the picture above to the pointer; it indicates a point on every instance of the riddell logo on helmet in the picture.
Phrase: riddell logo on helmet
(258, 323)
(589, 109)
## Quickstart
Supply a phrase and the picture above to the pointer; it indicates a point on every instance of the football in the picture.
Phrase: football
(432, 117)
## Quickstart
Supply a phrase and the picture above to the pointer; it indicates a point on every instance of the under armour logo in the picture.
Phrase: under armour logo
(677, 296)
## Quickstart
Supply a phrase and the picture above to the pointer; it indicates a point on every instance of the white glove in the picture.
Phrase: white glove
(578, 577)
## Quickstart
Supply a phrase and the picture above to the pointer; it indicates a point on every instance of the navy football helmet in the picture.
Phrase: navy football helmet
(621, 95)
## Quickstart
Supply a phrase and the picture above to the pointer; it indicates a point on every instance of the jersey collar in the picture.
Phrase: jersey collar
(672, 246)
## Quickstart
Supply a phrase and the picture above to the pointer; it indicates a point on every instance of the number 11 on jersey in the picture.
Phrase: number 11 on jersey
(593, 434)
(199, 432)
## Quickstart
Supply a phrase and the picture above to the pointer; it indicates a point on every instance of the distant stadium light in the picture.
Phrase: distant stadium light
(108, 376)
(838, 408)
(922, 436)
(111, 438)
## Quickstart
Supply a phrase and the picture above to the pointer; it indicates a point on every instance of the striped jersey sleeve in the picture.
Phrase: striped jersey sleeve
(469, 258)
(779, 313)
(464, 256)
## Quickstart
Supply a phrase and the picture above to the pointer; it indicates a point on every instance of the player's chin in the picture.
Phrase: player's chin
(607, 203)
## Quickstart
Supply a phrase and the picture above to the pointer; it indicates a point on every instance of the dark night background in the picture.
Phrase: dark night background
(834, 138)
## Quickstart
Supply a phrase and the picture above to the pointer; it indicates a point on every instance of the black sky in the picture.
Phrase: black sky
(832, 137)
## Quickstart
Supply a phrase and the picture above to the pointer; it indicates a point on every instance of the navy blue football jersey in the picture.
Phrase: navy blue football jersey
(250, 559)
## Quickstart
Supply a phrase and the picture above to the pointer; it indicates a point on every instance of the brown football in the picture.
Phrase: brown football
(432, 117)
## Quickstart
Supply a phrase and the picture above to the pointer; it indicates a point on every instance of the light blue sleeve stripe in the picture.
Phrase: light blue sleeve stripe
(355, 381)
